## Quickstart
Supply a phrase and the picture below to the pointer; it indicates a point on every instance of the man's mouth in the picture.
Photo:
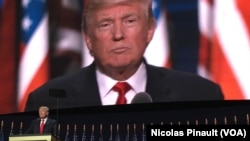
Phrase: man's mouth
(120, 49)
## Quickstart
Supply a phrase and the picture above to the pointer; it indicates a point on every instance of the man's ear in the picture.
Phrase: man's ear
(88, 42)
(151, 30)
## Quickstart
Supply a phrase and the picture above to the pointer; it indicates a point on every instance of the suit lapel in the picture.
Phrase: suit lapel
(87, 86)
(38, 125)
(157, 84)
(46, 125)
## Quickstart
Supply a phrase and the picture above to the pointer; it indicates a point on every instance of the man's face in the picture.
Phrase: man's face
(118, 35)
(43, 113)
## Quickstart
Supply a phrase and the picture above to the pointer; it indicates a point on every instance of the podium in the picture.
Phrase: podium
(32, 137)
(131, 119)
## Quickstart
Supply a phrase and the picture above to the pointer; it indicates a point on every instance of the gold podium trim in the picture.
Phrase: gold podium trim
(31, 137)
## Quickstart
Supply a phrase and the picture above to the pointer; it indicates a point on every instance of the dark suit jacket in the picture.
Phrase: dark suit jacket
(164, 85)
(49, 127)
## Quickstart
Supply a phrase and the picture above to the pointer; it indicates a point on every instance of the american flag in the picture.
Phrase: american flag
(33, 67)
(158, 52)
(225, 45)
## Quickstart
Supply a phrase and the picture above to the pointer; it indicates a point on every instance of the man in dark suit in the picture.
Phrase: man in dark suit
(117, 34)
(43, 124)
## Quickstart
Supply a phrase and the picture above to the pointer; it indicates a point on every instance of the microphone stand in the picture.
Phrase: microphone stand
(57, 93)
(57, 114)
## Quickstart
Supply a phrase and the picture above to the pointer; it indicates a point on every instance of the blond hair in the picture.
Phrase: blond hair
(44, 107)
(92, 5)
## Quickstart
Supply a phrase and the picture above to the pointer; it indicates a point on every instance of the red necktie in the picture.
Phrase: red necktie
(121, 88)
(41, 126)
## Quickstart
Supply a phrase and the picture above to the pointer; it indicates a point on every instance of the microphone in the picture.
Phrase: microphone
(142, 97)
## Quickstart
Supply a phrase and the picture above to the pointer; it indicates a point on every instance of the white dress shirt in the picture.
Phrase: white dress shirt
(109, 96)
(44, 121)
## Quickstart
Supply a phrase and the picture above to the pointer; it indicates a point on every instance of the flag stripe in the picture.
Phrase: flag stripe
(235, 44)
(222, 73)
(243, 7)
(225, 46)
(205, 25)
(37, 80)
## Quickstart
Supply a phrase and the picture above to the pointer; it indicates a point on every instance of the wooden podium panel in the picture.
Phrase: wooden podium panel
(31, 137)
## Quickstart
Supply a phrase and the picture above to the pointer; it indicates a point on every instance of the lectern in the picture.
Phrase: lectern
(32, 137)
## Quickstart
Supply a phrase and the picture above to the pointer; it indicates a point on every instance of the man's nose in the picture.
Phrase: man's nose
(118, 31)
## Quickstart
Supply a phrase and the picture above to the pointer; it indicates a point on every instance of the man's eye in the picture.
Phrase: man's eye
(104, 25)
(130, 21)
